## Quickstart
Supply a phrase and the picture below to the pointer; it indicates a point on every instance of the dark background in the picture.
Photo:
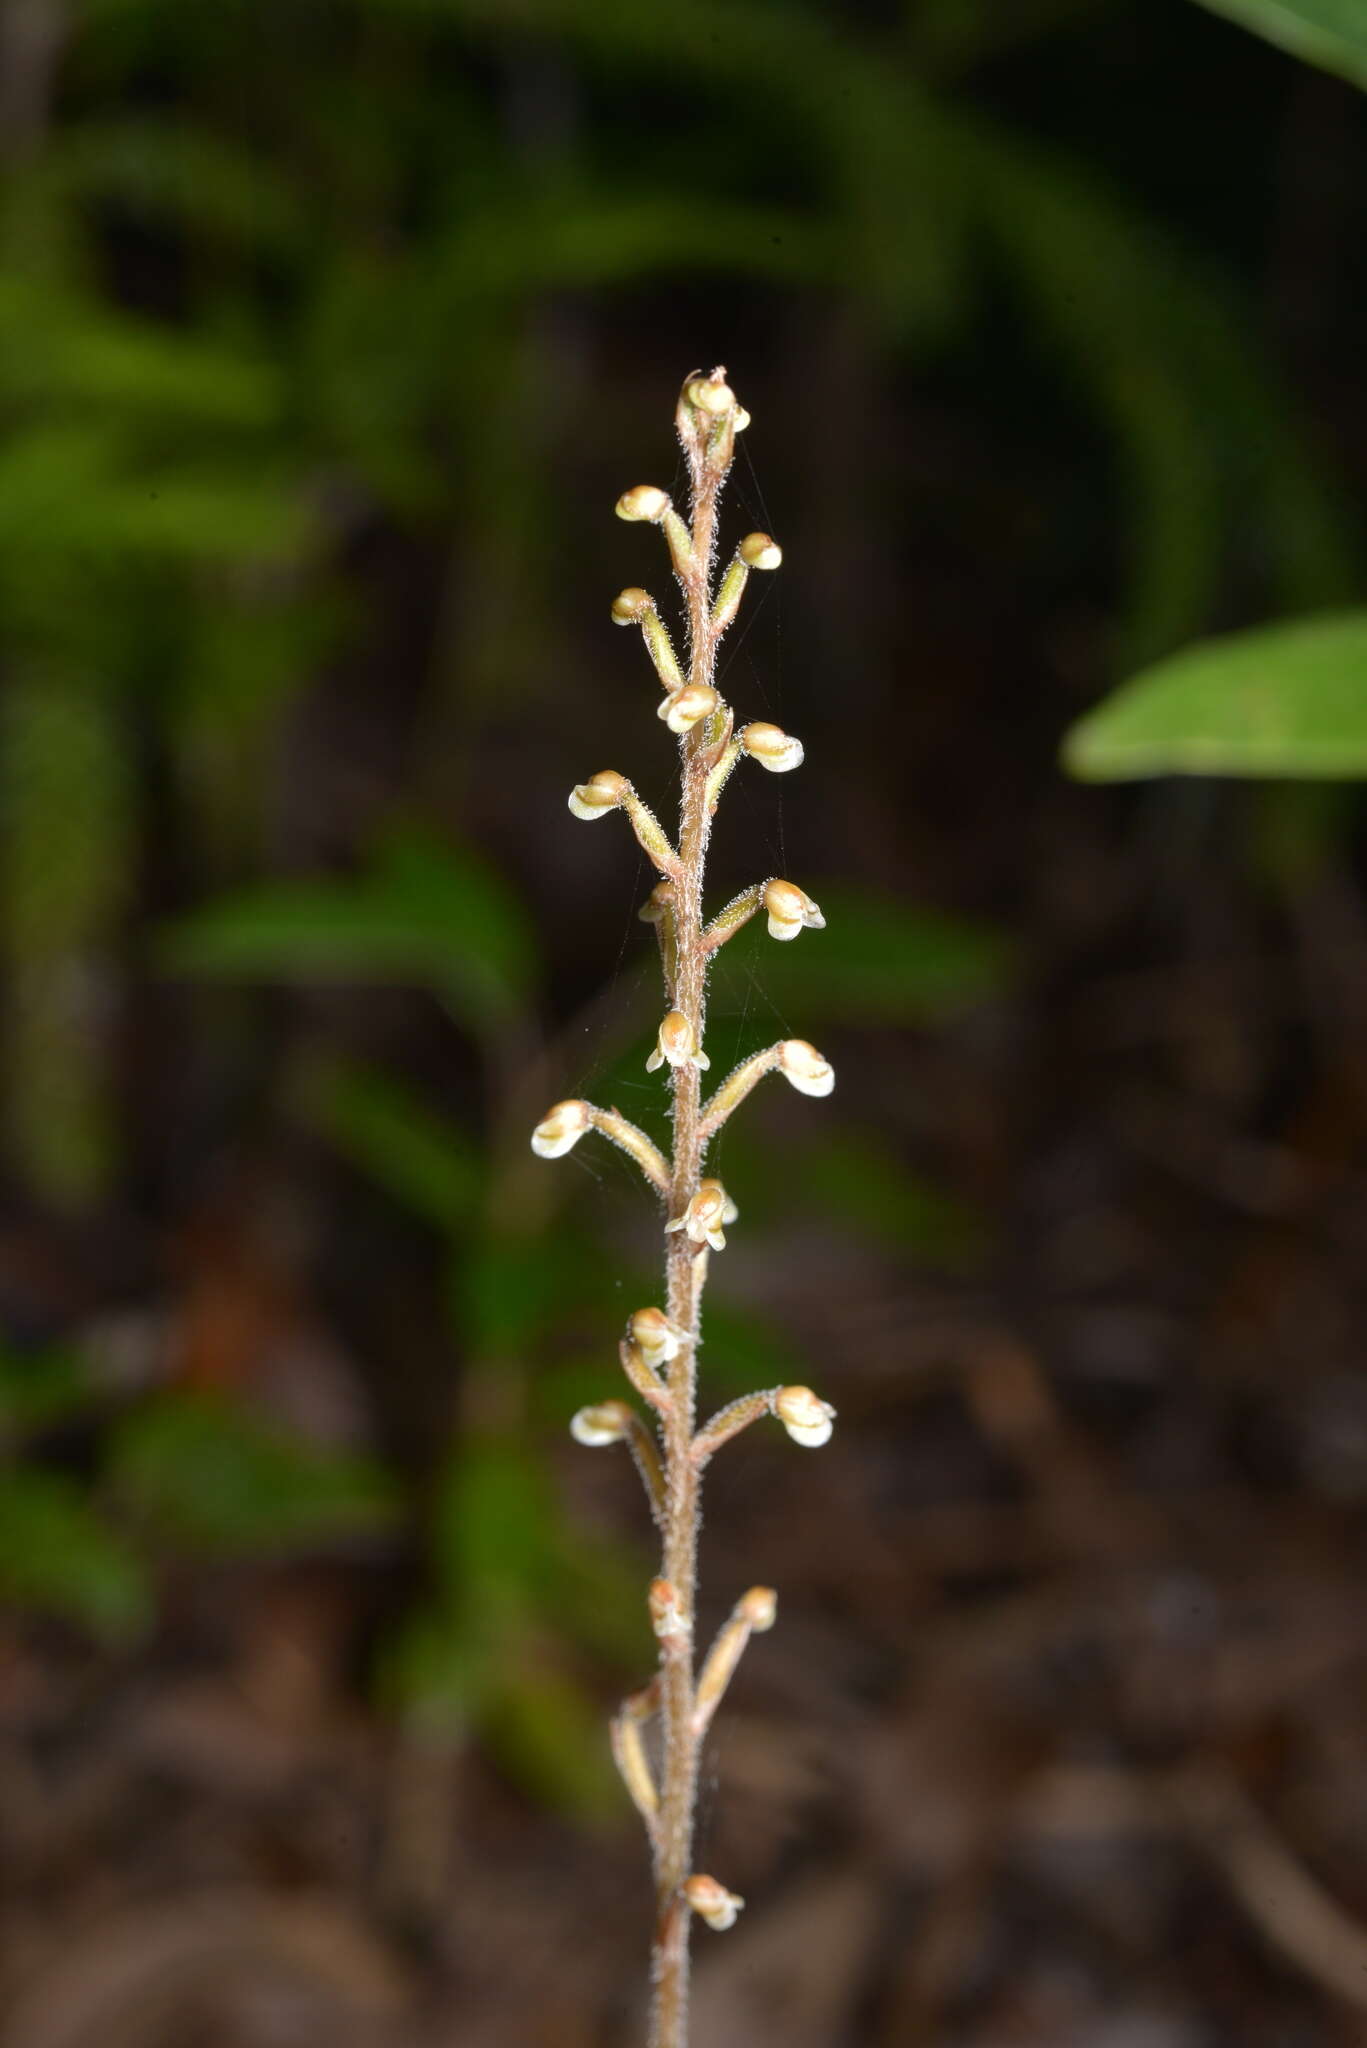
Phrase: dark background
(328, 336)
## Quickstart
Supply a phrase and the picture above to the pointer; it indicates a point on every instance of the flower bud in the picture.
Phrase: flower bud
(685, 708)
(630, 606)
(666, 1615)
(742, 419)
(560, 1128)
(712, 395)
(607, 1422)
(643, 501)
(758, 1608)
(712, 1902)
(702, 1220)
(772, 747)
(806, 1419)
(658, 904)
(677, 1044)
(790, 908)
(656, 1338)
(760, 551)
(804, 1066)
(602, 793)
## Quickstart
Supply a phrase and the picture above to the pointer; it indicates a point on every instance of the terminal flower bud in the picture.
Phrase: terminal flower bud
(806, 1419)
(760, 551)
(683, 709)
(711, 394)
(677, 1044)
(656, 1338)
(772, 747)
(607, 1422)
(712, 1902)
(643, 501)
(658, 904)
(599, 795)
(666, 1615)
(790, 909)
(630, 606)
(702, 1220)
(560, 1128)
(804, 1066)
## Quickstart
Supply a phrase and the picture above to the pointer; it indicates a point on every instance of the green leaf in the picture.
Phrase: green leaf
(427, 914)
(58, 1557)
(204, 1474)
(387, 1130)
(1280, 700)
(1329, 33)
(877, 962)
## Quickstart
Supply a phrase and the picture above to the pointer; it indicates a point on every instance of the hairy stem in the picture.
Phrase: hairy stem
(686, 1269)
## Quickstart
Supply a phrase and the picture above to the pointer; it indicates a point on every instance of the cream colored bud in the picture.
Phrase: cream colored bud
(560, 1128)
(607, 1422)
(683, 709)
(656, 1338)
(758, 1608)
(643, 501)
(666, 1615)
(658, 904)
(760, 551)
(742, 419)
(630, 606)
(602, 793)
(804, 1066)
(772, 747)
(790, 909)
(711, 394)
(712, 1902)
(676, 1043)
(702, 1220)
(806, 1419)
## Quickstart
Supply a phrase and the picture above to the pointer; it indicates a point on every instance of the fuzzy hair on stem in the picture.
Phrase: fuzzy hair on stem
(660, 1354)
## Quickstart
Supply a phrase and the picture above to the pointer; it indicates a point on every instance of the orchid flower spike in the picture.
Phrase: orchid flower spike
(702, 1220)
(560, 1128)
(712, 1902)
(599, 795)
(790, 910)
(807, 1420)
(657, 1339)
(804, 1066)
(772, 747)
(606, 1422)
(677, 1044)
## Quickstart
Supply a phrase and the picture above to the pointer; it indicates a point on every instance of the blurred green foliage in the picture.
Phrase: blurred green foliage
(272, 290)
(1331, 33)
(1288, 700)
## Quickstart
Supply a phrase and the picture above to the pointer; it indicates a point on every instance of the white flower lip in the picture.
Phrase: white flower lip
(805, 1068)
(773, 748)
(657, 1339)
(561, 1128)
(599, 795)
(791, 910)
(702, 1220)
(643, 501)
(676, 1043)
(604, 1423)
(683, 709)
(713, 1903)
(807, 1419)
